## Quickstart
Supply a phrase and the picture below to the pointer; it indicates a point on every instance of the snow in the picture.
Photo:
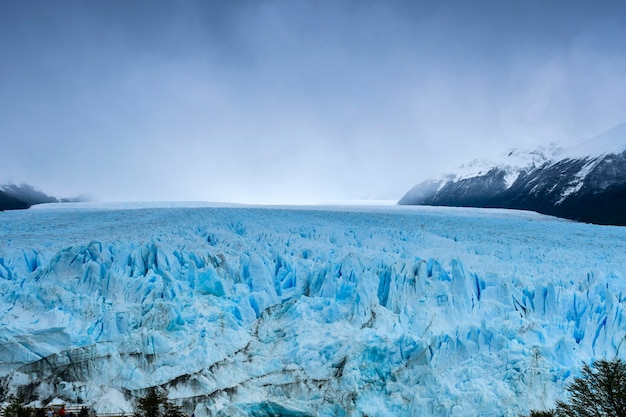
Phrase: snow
(578, 181)
(516, 161)
(613, 141)
(513, 163)
(329, 310)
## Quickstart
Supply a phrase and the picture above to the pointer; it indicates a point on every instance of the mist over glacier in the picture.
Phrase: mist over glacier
(329, 311)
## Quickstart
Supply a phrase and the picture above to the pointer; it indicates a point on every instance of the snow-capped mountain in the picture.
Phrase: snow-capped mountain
(379, 311)
(586, 183)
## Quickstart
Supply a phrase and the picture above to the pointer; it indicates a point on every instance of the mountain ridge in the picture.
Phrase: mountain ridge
(586, 183)
(23, 196)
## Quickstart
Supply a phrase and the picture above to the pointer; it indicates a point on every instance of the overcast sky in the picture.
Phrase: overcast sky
(294, 101)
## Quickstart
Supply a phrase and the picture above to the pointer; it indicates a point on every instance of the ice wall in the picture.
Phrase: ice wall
(403, 311)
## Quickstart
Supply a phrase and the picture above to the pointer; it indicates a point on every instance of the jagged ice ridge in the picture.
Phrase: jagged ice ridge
(394, 311)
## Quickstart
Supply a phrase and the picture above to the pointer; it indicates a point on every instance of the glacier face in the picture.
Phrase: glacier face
(345, 311)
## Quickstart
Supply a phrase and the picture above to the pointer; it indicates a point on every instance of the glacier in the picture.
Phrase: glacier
(305, 311)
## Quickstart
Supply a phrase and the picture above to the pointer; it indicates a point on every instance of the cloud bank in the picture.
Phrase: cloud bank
(268, 102)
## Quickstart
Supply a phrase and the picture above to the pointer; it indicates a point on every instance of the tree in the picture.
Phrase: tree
(599, 392)
(156, 404)
(16, 408)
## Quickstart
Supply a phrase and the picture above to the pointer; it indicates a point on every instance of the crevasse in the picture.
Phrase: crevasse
(398, 311)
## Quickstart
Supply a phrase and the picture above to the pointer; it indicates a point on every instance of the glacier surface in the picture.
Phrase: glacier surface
(306, 311)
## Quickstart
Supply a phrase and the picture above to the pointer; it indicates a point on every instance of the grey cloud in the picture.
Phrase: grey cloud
(295, 101)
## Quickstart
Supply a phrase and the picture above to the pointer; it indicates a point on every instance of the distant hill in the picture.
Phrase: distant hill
(586, 183)
(14, 197)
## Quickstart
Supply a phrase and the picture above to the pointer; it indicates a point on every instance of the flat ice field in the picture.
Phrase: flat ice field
(306, 311)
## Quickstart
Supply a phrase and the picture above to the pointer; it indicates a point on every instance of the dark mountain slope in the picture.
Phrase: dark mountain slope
(589, 188)
(13, 197)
